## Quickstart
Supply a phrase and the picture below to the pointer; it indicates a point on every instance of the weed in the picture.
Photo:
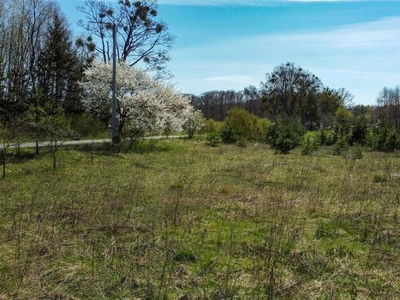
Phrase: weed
(180, 219)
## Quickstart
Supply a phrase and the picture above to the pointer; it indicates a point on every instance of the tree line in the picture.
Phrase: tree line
(289, 92)
(46, 72)
(42, 65)
(293, 101)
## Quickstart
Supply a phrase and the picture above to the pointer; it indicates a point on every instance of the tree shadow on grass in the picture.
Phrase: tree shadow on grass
(22, 157)
(143, 147)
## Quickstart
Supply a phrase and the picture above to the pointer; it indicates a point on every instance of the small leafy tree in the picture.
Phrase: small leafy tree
(343, 125)
(56, 128)
(310, 143)
(241, 126)
(194, 122)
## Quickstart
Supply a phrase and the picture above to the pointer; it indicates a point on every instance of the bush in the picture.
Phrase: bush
(284, 137)
(262, 129)
(244, 126)
(229, 135)
(241, 143)
(325, 137)
(359, 133)
(212, 126)
(310, 143)
(213, 139)
(343, 125)
(385, 138)
(357, 152)
(340, 146)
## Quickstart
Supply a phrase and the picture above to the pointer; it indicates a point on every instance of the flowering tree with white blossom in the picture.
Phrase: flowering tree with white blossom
(194, 122)
(143, 103)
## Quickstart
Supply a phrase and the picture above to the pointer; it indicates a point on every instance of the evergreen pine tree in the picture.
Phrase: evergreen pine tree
(59, 69)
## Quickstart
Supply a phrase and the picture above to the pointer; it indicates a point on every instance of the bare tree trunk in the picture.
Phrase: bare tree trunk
(4, 161)
(54, 160)
(53, 149)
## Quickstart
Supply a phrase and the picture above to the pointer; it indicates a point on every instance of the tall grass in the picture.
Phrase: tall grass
(184, 220)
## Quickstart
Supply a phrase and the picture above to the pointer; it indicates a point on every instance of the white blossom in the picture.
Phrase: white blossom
(194, 122)
(142, 102)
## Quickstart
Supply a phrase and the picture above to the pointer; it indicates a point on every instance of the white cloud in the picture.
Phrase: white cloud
(228, 78)
(249, 2)
(362, 58)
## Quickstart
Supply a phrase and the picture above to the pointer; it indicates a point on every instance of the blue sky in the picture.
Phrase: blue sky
(223, 44)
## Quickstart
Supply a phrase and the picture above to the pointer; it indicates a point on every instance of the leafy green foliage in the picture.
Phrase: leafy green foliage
(243, 123)
(213, 139)
(341, 145)
(357, 152)
(242, 126)
(88, 126)
(212, 126)
(56, 128)
(385, 138)
(343, 125)
(360, 131)
(285, 136)
(229, 135)
(310, 143)
(326, 137)
(291, 92)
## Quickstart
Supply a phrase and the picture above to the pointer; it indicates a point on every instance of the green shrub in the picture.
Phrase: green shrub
(240, 125)
(284, 137)
(357, 152)
(340, 146)
(310, 143)
(325, 137)
(212, 126)
(262, 128)
(343, 126)
(213, 139)
(359, 132)
(229, 135)
(242, 142)
(385, 138)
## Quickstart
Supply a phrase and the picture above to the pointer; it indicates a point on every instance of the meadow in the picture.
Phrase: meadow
(183, 220)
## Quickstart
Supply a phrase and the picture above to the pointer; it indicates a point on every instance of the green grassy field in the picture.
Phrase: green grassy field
(188, 221)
